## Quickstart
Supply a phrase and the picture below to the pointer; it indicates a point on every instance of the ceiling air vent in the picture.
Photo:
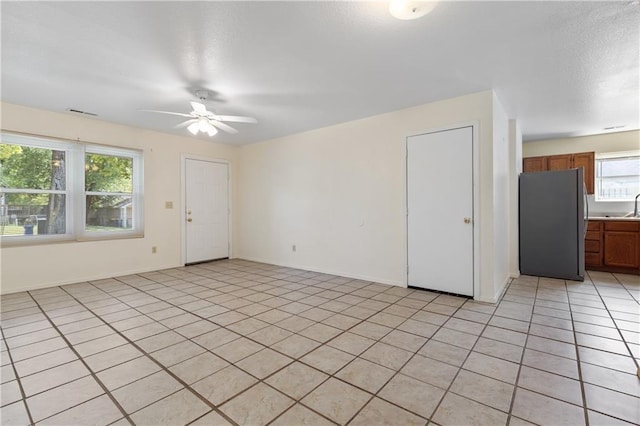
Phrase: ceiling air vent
(77, 111)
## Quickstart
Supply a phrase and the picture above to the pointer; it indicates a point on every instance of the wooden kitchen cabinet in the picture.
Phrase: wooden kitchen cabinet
(613, 246)
(534, 164)
(593, 245)
(586, 160)
(621, 242)
(559, 162)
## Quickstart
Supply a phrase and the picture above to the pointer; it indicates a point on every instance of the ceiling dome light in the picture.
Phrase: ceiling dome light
(405, 10)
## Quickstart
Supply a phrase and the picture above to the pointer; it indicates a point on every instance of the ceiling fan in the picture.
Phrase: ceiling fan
(202, 120)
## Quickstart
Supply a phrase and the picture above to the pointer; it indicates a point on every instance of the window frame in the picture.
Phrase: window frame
(612, 156)
(75, 194)
(136, 195)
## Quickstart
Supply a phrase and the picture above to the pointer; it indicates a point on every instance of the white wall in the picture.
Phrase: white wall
(604, 143)
(515, 162)
(501, 206)
(36, 266)
(338, 193)
(608, 142)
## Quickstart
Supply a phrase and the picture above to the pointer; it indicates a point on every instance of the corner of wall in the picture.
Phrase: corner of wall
(515, 168)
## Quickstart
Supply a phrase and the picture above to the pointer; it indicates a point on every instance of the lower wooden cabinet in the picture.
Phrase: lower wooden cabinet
(613, 246)
(593, 245)
(621, 241)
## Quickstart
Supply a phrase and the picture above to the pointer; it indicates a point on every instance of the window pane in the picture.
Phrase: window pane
(106, 173)
(619, 188)
(109, 213)
(25, 167)
(624, 166)
(618, 178)
(32, 214)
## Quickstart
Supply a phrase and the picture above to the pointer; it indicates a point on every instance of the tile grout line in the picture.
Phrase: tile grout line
(188, 285)
(91, 373)
(497, 305)
(18, 380)
(616, 325)
(524, 349)
(298, 359)
(583, 394)
(234, 363)
(179, 307)
(162, 367)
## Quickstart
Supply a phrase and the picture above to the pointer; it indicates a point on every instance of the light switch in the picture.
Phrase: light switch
(168, 204)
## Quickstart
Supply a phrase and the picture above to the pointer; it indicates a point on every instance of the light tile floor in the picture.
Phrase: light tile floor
(237, 342)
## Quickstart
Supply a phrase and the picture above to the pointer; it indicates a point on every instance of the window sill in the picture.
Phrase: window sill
(24, 241)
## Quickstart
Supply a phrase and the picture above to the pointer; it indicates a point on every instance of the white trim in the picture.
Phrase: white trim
(32, 191)
(34, 141)
(183, 201)
(92, 278)
(618, 154)
(475, 146)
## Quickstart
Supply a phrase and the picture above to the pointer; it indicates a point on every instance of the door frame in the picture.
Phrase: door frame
(183, 201)
(475, 215)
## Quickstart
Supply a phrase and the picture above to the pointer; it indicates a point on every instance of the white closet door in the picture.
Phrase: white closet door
(440, 210)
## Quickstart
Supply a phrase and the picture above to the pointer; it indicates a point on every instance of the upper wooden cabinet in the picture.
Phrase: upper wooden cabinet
(534, 164)
(586, 160)
(559, 162)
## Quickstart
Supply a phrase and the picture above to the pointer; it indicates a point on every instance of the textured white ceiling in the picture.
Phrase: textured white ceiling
(561, 68)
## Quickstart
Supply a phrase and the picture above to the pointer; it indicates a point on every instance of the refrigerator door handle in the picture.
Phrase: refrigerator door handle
(586, 203)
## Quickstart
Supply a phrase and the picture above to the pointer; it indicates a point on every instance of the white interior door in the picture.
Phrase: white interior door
(440, 210)
(206, 210)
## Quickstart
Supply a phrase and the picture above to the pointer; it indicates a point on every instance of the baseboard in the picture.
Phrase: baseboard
(514, 274)
(90, 278)
(324, 271)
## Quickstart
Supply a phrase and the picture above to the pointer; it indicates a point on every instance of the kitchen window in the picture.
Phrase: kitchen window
(53, 190)
(617, 176)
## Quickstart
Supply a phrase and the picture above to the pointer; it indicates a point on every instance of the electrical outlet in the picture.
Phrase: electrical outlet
(293, 247)
(154, 249)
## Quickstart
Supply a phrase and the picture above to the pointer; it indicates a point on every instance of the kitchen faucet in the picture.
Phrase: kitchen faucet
(635, 206)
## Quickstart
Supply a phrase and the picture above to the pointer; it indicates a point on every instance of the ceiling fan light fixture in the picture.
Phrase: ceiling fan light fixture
(194, 128)
(203, 125)
(406, 10)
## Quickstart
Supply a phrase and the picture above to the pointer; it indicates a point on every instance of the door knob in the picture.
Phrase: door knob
(467, 220)
(189, 212)
(189, 220)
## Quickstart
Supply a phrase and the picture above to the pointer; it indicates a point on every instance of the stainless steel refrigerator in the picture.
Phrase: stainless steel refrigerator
(553, 213)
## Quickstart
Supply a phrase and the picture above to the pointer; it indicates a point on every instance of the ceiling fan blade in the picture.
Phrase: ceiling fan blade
(185, 123)
(167, 112)
(223, 126)
(236, 119)
(199, 108)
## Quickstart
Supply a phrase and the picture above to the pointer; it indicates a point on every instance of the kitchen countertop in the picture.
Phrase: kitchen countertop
(626, 219)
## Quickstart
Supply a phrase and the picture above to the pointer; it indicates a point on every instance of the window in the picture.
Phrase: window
(54, 190)
(617, 176)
